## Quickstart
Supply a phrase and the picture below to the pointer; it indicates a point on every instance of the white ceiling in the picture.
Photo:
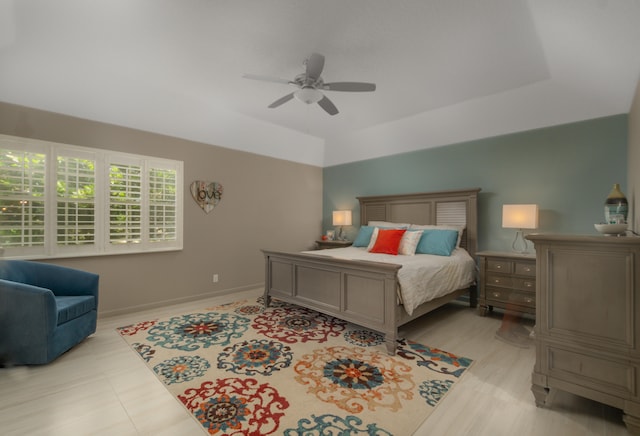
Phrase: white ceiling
(446, 70)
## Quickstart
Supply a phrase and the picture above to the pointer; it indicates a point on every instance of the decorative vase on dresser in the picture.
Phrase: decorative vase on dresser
(616, 206)
(587, 330)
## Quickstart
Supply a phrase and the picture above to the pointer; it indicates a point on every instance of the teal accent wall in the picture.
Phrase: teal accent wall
(568, 170)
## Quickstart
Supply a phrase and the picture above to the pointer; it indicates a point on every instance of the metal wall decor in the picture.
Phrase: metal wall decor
(206, 194)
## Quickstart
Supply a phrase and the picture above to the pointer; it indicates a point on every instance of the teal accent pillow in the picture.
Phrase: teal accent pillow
(364, 236)
(438, 242)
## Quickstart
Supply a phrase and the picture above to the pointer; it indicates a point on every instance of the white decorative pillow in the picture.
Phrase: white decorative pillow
(409, 242)
(389, 225)
(372, 241)
(458, 228)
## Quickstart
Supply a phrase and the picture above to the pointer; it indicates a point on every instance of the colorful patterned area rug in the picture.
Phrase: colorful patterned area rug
(241, 369)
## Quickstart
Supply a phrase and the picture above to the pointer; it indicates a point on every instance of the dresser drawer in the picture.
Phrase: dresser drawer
(507, 296)
(587, 369)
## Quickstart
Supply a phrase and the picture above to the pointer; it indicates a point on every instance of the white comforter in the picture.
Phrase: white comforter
(422, 277)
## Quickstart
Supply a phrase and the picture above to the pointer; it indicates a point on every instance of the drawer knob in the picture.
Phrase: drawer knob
(498, 266)
(495, 294)
(528, 300)
(527, 269)
(528, 285)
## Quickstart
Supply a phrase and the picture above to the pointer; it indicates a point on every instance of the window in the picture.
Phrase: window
(75, 202)
(22, 199)
(59, 200)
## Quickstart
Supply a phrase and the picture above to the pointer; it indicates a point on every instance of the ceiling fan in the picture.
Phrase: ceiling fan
(310, 85)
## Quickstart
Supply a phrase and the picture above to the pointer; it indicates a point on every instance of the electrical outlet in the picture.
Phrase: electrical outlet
(215, 278)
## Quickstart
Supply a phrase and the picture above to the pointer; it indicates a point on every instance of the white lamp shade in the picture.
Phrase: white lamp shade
(520, 216)
(341, 217)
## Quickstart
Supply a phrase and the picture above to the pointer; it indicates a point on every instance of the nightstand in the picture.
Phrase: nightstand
(507, 281)
(321, 245)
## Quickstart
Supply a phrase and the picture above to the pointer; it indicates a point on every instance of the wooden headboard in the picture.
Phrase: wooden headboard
(443, 207)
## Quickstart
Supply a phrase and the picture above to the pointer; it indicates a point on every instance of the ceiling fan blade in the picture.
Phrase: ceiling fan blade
(350, 86)
(266, 78)
(315, 64)
(328, 106)
(281, 100)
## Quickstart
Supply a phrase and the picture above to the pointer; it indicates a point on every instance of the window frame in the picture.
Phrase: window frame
(103, 159)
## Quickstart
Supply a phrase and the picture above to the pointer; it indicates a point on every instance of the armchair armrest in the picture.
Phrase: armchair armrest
(27, 315)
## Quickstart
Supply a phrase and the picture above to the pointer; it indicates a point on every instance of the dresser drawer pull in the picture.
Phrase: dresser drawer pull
(496, 294)
(528, 300)
(528, 284)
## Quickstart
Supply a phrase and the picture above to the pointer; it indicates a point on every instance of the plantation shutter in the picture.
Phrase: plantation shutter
(22, 202)
(125, 207)
(162, 205)
(75, 205)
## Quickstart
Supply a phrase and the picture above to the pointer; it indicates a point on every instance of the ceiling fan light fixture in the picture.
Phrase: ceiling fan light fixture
(310, 83)
(308, 95)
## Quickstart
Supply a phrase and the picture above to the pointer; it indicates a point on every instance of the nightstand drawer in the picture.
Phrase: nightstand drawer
(511, 282)
(525, 269)
(498, 280)
(524, 284)
(507, 297)
(497, 265)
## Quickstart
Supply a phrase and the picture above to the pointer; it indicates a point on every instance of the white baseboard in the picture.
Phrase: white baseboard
(180, 300)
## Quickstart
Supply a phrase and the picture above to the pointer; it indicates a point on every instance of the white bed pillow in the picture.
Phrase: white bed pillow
(409, 242)
(458, 228)
(389, 225)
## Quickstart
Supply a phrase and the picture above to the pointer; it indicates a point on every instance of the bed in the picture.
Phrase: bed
(368, 292)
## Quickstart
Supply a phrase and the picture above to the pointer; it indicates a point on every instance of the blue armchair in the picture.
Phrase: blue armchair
(45, 310)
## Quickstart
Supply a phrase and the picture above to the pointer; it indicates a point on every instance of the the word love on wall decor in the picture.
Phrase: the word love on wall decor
(206, 194)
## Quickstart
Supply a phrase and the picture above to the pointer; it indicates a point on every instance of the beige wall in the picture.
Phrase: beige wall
(267, 203)
(633, 170)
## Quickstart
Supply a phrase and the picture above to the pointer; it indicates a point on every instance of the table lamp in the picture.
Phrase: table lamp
(341, 218)
(520, 216)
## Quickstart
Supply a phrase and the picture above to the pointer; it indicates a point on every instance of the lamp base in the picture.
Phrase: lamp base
(519, 244)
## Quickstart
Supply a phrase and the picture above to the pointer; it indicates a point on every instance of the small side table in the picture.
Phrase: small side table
(507, 281)
(321, 245)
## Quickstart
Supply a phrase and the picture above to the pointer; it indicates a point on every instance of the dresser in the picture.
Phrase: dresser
(507, 281)
(587, 325)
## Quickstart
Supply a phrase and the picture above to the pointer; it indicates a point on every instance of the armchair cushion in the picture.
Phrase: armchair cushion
(45, 310)
(69, 308)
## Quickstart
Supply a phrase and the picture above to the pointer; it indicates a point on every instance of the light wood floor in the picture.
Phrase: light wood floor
(101, 387)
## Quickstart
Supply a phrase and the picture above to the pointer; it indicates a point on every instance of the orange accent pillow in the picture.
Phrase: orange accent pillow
(388, 241)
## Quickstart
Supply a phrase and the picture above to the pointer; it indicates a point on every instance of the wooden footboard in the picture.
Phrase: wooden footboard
(360, 292)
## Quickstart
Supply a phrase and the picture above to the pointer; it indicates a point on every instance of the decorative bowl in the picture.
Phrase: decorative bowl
(611, 229)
